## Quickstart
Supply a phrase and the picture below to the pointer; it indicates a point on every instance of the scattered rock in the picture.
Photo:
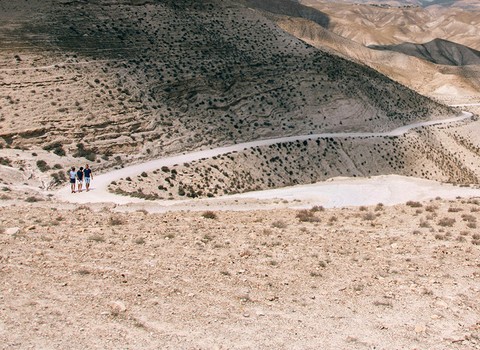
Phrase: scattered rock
(12, 230)
(117, 307)
(420, 328)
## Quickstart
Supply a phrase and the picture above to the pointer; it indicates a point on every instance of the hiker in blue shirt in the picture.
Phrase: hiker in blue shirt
(88, 176)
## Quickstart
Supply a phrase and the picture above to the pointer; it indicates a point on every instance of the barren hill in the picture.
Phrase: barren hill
(450, 83)
(437, 51)
(377, 25)
(157, 77)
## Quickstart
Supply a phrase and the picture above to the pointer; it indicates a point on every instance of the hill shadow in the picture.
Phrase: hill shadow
(290, 8)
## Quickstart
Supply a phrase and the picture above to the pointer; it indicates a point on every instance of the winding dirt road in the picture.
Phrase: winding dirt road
(395, 187)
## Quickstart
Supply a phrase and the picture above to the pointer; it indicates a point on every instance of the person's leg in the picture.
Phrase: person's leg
(87, 183)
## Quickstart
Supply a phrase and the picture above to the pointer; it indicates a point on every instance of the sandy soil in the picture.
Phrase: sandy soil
(401, 277)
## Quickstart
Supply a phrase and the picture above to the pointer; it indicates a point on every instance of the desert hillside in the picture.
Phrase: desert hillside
(387, 25)
(444, 153)
(463, 4)
(145, 78)
(172, 247)
(449, 83)
(437, 51)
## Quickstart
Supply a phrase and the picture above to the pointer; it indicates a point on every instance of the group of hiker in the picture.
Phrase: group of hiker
(78, 177)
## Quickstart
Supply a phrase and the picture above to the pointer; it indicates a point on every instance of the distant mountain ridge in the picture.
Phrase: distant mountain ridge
(466, 4)
(394, 25)
(437, 51)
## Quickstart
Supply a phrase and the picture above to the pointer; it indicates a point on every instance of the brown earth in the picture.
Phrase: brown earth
(352, 278)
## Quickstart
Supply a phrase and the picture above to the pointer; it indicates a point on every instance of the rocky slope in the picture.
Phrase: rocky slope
(453, 84)
(437, 51)
(155, 77)
(377, 25)
(464, 4)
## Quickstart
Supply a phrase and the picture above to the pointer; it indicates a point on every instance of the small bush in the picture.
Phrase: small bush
(454, 210)
(84, 152)
(379, 207)
(307, 216)
(43, 166)
(469, 218)
(209, 215)
(424, 224)
(446, 222)
(368, 216)
(33, 199)
(56, 148)
(414, 204)
(5, 161)
(317, 208)
(115, 221)
(279, 224)
(59, 177)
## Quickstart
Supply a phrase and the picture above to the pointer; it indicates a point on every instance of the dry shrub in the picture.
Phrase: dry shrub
(414, 204)
(317, 208)
(279, 224)
(454, 210)
(368, 216)
(332, 219)
(307, 216)
(424, 224)
(469, 218)
(379, 207)
(446, 222)
(33, 199)
(209, 215)
(115, 221)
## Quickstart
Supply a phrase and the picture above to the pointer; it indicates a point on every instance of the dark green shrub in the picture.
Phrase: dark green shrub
(43, 166)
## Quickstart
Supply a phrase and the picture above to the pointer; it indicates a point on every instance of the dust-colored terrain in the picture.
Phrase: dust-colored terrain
(105, 80)
(120, 83)
(353, 278)
(384, 25)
